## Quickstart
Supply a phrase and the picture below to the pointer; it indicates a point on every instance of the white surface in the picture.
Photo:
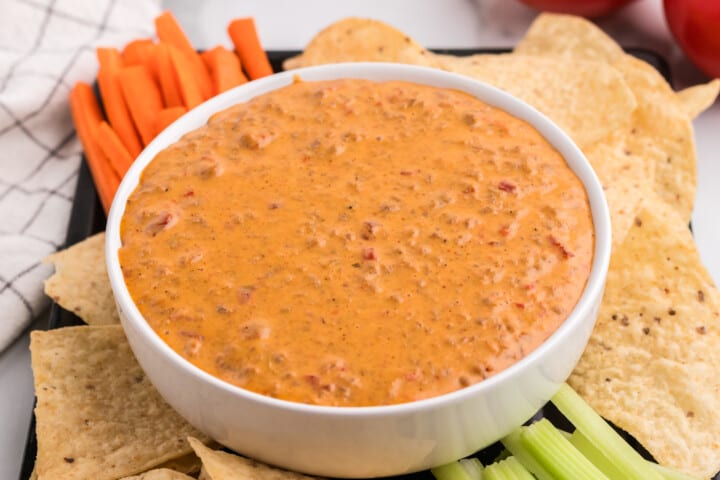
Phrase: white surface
(355, 442)
(447, 23)
(16, 402)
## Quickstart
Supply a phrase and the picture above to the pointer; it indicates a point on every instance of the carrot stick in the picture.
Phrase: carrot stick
(143, 99)
(137, 52)
(117, 110)
(114, 150)
(247, 43)
(87, 117)
(166, 76)
(189, 89)
(140, 52)
(167, 116)
(224, 67)
(206, 58)
(170, 32)
(109, 58)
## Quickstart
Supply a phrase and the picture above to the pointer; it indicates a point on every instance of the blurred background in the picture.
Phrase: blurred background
(290, 24)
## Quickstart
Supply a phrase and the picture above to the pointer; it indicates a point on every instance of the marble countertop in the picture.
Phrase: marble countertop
(290, 24)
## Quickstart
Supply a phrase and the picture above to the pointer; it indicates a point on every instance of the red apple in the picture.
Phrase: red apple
(695, 24)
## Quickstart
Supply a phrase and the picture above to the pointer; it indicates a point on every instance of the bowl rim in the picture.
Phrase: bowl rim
(376, 71)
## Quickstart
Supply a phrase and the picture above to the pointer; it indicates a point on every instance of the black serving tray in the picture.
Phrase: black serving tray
(87, 217)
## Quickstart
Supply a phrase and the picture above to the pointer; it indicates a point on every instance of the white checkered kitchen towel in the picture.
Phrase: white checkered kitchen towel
(45, 47)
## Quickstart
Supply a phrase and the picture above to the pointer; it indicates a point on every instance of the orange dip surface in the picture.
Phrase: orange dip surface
(356, 243)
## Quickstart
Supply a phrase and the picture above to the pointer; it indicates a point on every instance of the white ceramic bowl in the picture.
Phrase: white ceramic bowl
(365, 441)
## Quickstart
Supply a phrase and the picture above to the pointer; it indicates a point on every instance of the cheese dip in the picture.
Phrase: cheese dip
(354, 243)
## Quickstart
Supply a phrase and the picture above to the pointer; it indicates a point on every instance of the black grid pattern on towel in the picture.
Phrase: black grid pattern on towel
(45, 183)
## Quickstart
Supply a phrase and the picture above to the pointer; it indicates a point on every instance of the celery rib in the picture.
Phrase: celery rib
(495, 471)
(508, 469)
(451, 471)
(606, 440)
(473, 467)
(594, 455)
(514, 445)
(556, 454)
(586, 447)
(670, 474)
(593, 452)
(517, 470)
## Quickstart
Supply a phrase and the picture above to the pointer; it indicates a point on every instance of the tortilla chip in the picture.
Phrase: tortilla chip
(97, 414)
(661, 122)
(697, 99)
(625, 174)
(569, 36)
(160, 474)
(189, 464)
(360, 40)
(204, 475)
(651, 364)
(80, 283)
(219, 465)
(667, 129)
(589, 100)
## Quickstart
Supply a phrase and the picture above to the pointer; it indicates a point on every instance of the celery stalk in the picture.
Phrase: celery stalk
(556, 454)
(508, 469)
(595, 456)
(514, 445)
(607, 441)
(670, 474)
(497, 471)
(519, 472)
(473, 467)
(494, 472)
(451, 471)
